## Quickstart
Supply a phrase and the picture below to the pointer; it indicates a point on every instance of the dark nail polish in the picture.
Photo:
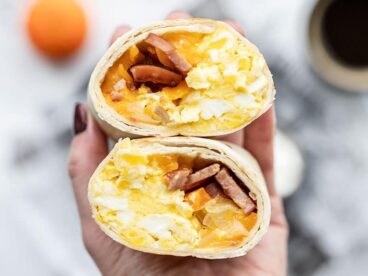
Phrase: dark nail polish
(80, 118)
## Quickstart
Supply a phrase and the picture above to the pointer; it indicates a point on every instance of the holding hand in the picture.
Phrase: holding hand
(89, 148)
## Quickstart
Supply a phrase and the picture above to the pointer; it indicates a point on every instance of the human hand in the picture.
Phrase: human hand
(89, 147)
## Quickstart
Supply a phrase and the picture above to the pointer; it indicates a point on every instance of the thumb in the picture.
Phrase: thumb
(88, 148)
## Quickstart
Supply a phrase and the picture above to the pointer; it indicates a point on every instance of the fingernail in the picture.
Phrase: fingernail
(80, 118)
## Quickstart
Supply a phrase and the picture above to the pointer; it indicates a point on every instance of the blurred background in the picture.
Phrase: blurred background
(328, 126)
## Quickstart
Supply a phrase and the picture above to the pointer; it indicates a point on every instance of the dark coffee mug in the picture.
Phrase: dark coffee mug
(338, 42)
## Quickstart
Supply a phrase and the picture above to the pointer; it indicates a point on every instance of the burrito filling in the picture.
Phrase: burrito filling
(188, 81)
(166, 198)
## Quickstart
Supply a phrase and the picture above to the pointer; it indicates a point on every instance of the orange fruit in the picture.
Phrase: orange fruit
(57, 27)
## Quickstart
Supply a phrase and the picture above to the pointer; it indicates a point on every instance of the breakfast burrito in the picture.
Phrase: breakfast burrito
(181, 196)
(190, 77)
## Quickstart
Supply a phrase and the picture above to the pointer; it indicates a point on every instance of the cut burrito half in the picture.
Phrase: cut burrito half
(190, 77)
(181, 196)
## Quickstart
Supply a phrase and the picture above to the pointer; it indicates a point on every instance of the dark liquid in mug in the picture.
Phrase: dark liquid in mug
(345, 31)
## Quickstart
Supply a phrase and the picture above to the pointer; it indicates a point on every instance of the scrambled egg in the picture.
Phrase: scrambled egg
(131, 198)
(228, 80)
(134, 201)
(225, 88)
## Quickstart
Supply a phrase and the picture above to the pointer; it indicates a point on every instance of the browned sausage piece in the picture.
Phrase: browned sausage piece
(151, 50)
(199, 177)
(155, 74)
(214, 189)
(178, 178)
(232, 190)
(169, 50)
(162, 57)
(160, 43)
(180, 63)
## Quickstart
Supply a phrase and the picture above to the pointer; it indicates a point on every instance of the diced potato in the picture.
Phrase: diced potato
(237, 230)
(223, 220)
(209, 237)
(220, 204)
(198, 198)
(248, 221)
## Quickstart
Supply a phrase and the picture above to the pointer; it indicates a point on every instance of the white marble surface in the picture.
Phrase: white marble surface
(40, 233)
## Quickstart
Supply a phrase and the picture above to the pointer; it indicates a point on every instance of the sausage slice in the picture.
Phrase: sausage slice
(155, 74)
(162, 57)
(177, 178)
(214, 189)
(199, 177)
(169, 50)
(232, 190)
